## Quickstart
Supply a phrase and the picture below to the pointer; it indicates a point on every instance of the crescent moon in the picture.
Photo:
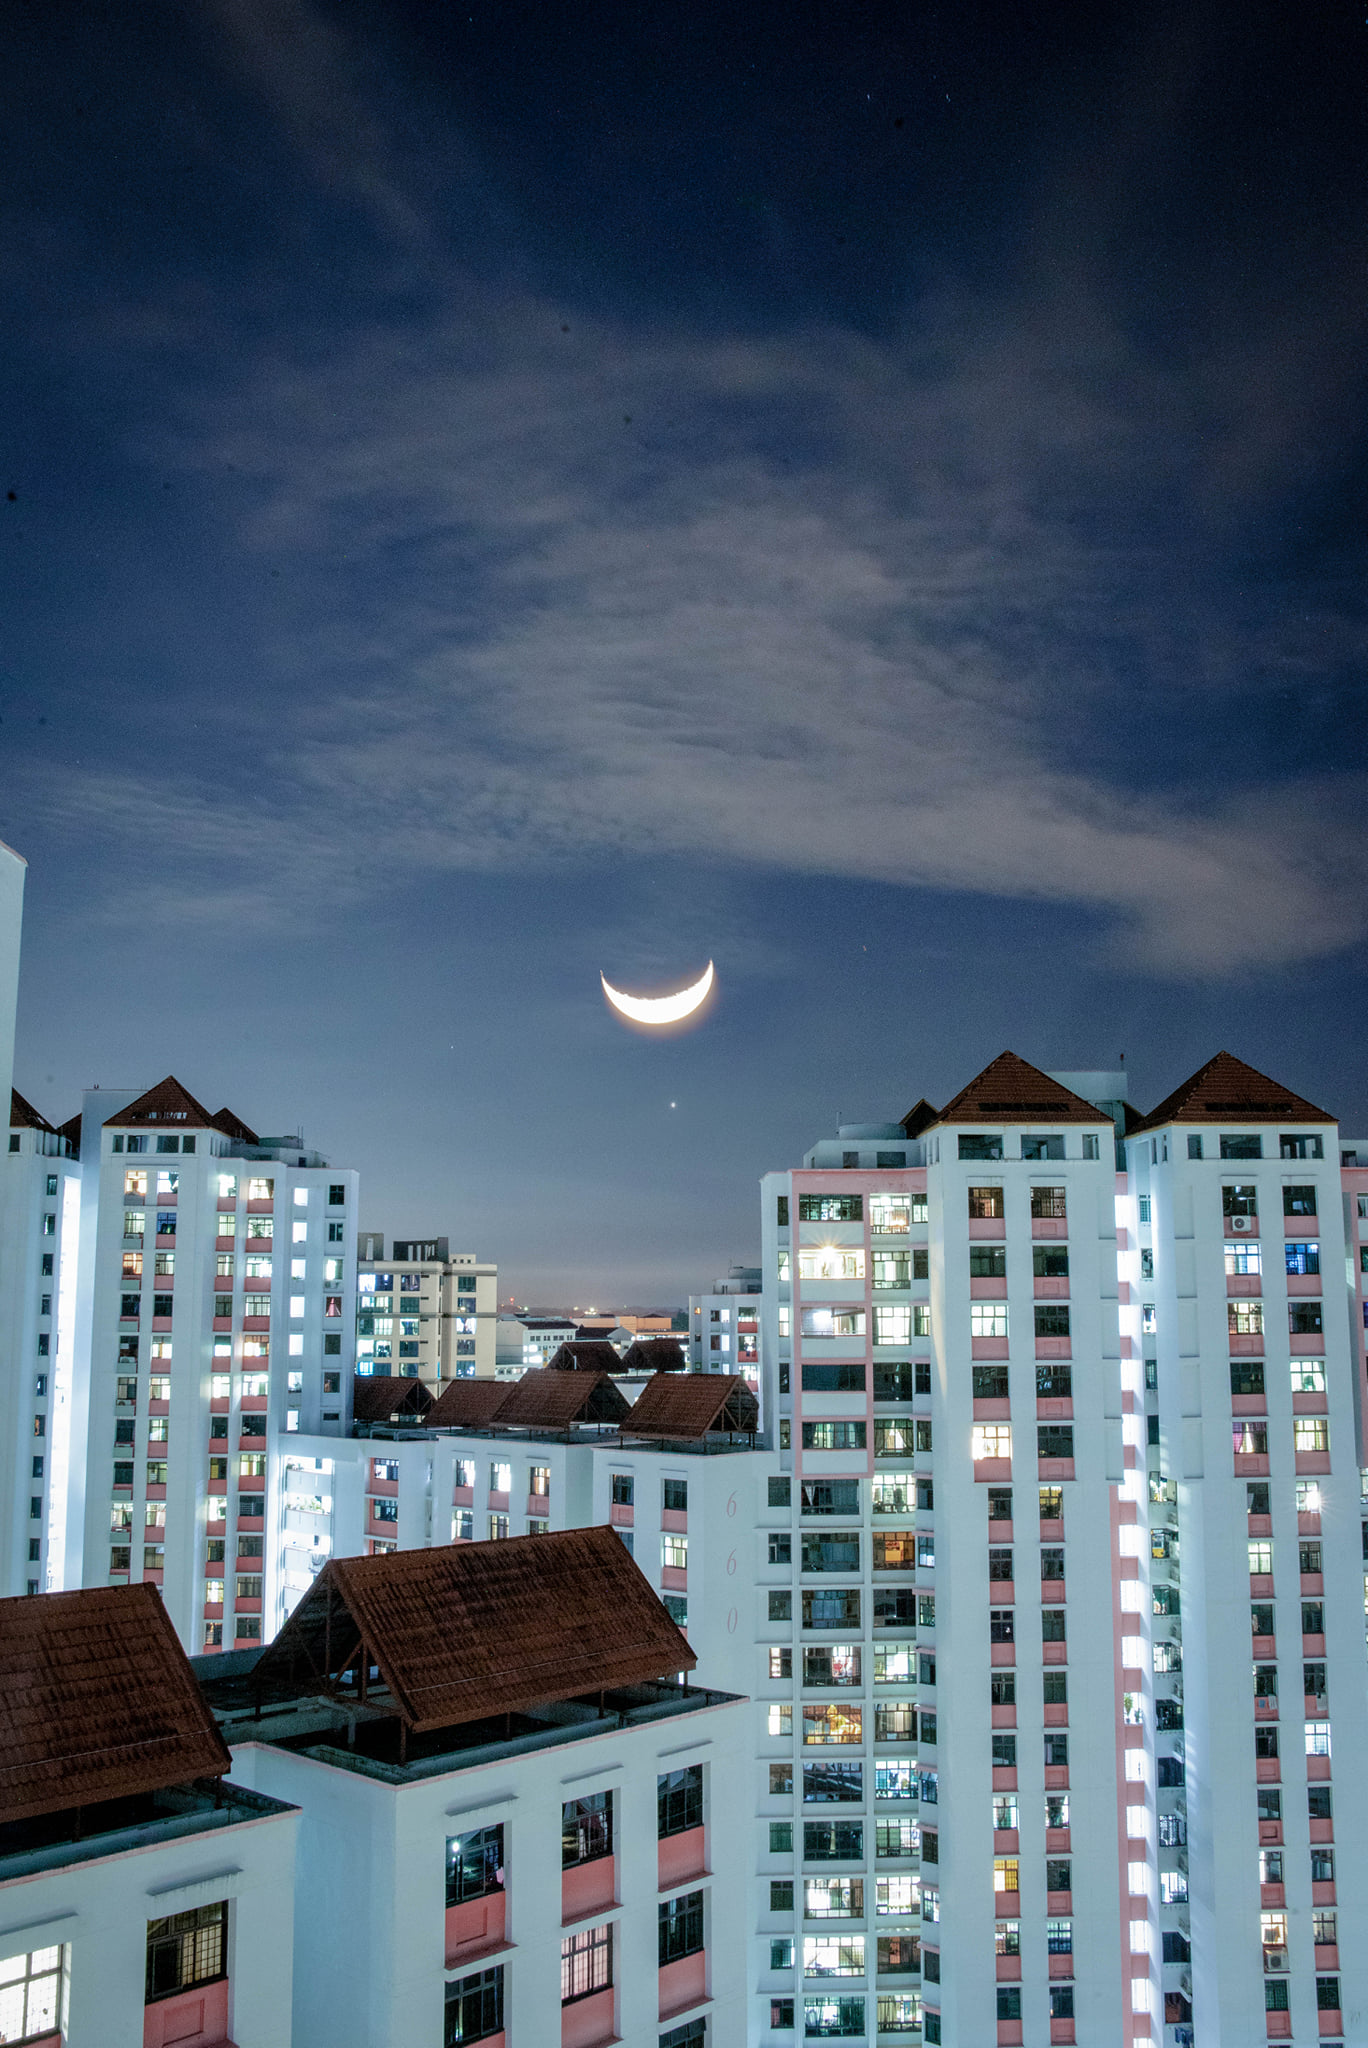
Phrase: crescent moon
(660, 1009)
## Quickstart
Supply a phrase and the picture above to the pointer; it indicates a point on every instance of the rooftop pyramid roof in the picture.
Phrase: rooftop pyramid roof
(1011, 1091)
(1226, 1090)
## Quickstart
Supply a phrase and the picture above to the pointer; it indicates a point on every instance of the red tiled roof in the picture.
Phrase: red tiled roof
(380, 1399)
(558, 1400)
(1011, 1091)
(99, 1702)
(71, 1131)
(1225, 1090)
(467, 1404)
(478, 1629)
(169, 1104)
(687, 1406)
(653, 1354)
(23, 1115)
(584, 1354)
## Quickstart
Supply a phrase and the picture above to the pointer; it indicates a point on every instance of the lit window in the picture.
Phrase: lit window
(1318, 1738)
(988, 1319)
(1310, 1433)
(826, 1262)
(992, 1440)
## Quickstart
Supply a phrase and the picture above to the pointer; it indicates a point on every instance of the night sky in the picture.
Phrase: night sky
(872, 496)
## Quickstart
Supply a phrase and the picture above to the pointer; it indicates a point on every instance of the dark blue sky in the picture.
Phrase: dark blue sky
(498, 494)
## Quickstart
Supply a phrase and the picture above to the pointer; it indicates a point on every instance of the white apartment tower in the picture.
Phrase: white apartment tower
(956, 1784)
(40, 1214)
(218, 1269)
(1235, 1231)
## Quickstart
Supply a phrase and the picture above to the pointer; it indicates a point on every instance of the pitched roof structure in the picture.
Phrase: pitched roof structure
(584, 1354)
(23, 1115)
(559, 1400)
(919, 1118)
(467, 1404)
(685, 1407)
(227, 1121)
(99, 1702)
(168, 1103)
(1011, 1091)
(71, 1131)
(653, 1354)
(378, 1399)
(1226, 1090)
(478, 1629)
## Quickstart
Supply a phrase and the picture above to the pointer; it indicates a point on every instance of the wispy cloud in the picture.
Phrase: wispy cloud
(804, 601)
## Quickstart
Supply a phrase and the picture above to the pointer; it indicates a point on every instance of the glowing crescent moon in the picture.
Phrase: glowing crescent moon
(659, 1009)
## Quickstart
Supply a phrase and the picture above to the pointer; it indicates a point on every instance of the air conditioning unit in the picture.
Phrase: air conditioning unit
(1240, 1224)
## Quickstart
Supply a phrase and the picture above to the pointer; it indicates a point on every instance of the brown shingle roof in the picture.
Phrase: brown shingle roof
(558, 1400)
(23, 1115)
(99, 1702)
(478, 1629)
(1225, 1090)
(1011, 1091)
(377, 1399)
(71, 1131)
(653, 1354)
(467, 1404)
(584, 1354)
(169, 1104)
(686, 1406)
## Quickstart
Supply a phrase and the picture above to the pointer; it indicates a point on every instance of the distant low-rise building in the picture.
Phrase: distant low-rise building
(724, 1326)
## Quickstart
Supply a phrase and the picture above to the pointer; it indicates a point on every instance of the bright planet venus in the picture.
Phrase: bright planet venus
(671, 1009)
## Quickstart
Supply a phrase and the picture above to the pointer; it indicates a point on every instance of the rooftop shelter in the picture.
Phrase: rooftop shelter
(688, 1407)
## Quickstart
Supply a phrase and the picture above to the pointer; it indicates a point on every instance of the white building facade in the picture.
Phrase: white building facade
(424, 1312)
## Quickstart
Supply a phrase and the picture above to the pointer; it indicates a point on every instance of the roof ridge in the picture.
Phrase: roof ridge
(170, 1102)
(1246, 1094)
(1023, 1094)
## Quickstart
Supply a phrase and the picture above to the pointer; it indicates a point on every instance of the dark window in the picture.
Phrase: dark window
(1009, 2001)
(675, 1496)
(1051, 1319)
(1061, 2001)
(474, 1864)
(1177, 1948)
(1001, 1625)
(1052, 1625)
(1327, 1994)
(780, 1547)
(679, 1801)
(831, 1496)
(1318, 1804)
(1299, 1201)
(781, 1212)
(1169, 1771)
(1246, 1376)
(1054, 1381)
(693, 2034)
(1240, 1199)
(838, 1376)
(1058, 1874)
(1304, 1318)
(835, 1607)
(987, 1262)
(828, 1841)
(1050, 1261)
(1241, 1145)
(1042, 1148)
(893, 1382)
(185, 1950)
(1000, 1564)
(781, 2014)
(622, 1489)
(830, 1208)
(1056, 1687)
(681, 1927)
(985, 1202)
(586, 1829)
(1004, 1752)
(979, 1145)
(832, 1553)
(999, 1503)
(990, 1383)
(1275, 1995)
(1055, 1440)
(337, 1194)
(833, 1782)
(778, 1493)
(1002, 1688)
(1052, 1562)
(780, 1606)
(474, 2008)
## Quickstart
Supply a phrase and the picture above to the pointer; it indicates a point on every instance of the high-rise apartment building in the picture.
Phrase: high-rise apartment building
(217, 1274)
(40, 1213)
(424, 1313)
(1238, 1215)
(957, 1839)
(724, 1326)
